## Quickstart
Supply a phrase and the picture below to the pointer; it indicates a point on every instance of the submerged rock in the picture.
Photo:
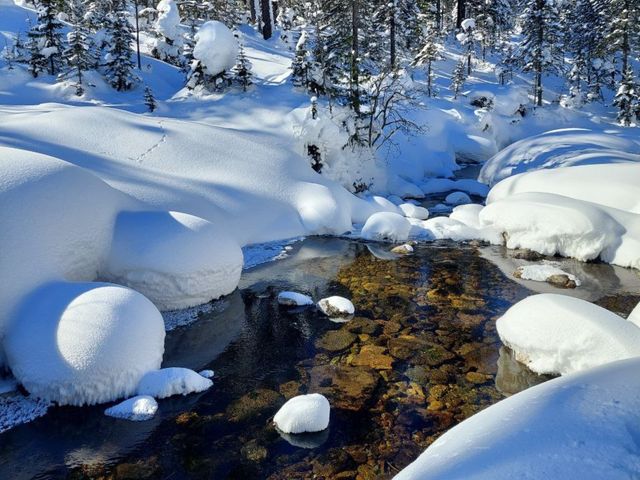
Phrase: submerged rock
(252, 404)
(336, 340)
(348, 387)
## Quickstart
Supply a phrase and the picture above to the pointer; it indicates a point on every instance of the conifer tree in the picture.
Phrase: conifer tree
(458, 78)
(627, 100)
(149, 99)
(45, 40)
(242, 70)
(119, 67)
(430, 53)
(79, 56)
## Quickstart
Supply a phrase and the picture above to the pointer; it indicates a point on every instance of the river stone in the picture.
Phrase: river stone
(253, 451)
(477, 378)
(364, 325)
(336, 340)
(347, 387)
(480, 356)
(402, 249)
(253, 404)
(561, 281)
(374, 357)
(525, 254)
(421, 351)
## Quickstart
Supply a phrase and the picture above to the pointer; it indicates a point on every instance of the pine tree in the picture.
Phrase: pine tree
(79, 56)
(45, 40)
(242, 70)
(540, 49)
(430, 53)
(458, 78)
(149, 99)
(119, 67)
(627, 100)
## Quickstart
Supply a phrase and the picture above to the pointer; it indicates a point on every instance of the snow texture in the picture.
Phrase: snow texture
(386, 227)
(294, 299)
(84, 343)
(175, 259)
(304, 413)
(16, 409)
(136, 409)
(414, 211)
(584, 425)
(558, 334)
(216, 47)
(336, 307)
(172, 381)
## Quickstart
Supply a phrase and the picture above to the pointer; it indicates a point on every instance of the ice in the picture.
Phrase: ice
(172, 381)
(386, 227)
(136, 409)
(553, 333)
(304, 413)
(84, 343)
(294, 299)
(216, 47)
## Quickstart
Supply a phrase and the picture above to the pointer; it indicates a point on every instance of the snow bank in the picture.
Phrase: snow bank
(614, 185)
(216, 47)
(414, 211)
(386, 227)
(584, 425)
(175, 259)
(136, 409)
(634, 316)
(304, 413)
(468, 214)
(336, 307)
(172, 381)
(561, 148)
(553, 224)
(442, 185)
(558, 334)
(294, 299)
(84, 343)
(457, 198)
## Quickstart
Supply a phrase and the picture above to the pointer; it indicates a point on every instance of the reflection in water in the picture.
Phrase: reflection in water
(306, 440)
(513, 376)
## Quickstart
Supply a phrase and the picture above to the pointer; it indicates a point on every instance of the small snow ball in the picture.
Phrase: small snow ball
(84, 343)
(294, 299)
(304, 413)
(172, 381)
(336, 307)
(457, 198)
(136, 409)
(413, 211)
(216, 47)
(386, 226)
(206, 373)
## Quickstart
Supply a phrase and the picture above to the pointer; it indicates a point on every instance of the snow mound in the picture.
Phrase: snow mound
(553, 224)
(136, 409)
(541, 273)
(304, 413)
(336, 307)
(175, 259)
(442, 185)
(457, 198)
(611, 185)
(294, 299)
(634, 316)
(558, 334)
(584, 425)
(172, 381)
(216, 47)
(413, 211)
(561, 148)
(468, 214)
(84, 343)
(386, 227)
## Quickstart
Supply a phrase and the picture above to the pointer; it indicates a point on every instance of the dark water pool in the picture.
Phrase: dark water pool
(421, 355)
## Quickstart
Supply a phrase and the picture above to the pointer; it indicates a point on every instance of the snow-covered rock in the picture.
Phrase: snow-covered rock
(216, 47)
(304, 413)
(167, 382)
(404, 249)
(207, 373)
(561, 148)
(413, 211)
(84, 343)
(168, 23)
(583, 426)
(386, 226)
(468, 214)
(294, 299)
(336, 307)
(175, 259)
(136, 409)
(457, 198)
(558, 334)
(543, 272)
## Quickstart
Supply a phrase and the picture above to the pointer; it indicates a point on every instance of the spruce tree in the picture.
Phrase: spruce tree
(458, 78)
(45, 40)
(79, 56)
(119, 67)
(430, 53)
(627, 100)
(242, 70)
(149, 99)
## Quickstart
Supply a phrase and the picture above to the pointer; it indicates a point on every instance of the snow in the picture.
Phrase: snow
(207, 373)
(216, 47)
(634, 316)
(540, 273)
(561, 148)
(386, 227)
(442, 185)
(413, 211)
(16, 409)
(168, 23)
(584, 425)
(467, 214)
(294, 299)
(336, 307)
(84, 343)
(175, 259)
(457, 198)
(172, 381)
(468, 23)
(553, 333)
(304, 413)
(136, 409)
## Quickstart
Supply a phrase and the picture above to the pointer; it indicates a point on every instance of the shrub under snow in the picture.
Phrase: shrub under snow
(216, 47)
(84, 343)
(386, 226)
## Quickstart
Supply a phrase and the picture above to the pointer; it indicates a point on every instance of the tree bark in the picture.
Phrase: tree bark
(267, 21)
(392, 37)
(355, 52)
(460, 11)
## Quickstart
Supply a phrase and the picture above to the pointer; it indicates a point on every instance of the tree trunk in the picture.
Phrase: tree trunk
(460, 13)
(438, 15)
(392, 37)
(355, 51)
(252, 9)
(267, 21)
(137, 36)
(540, 40)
